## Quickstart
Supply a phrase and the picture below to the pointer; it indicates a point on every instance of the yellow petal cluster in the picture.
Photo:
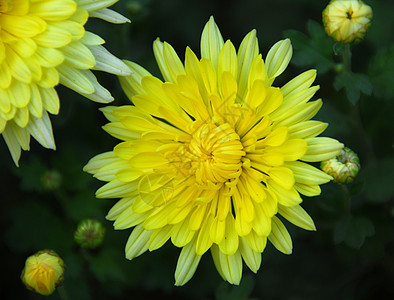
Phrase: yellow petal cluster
(43, 272)
(347, 21)
(211, 155)
(43, 44)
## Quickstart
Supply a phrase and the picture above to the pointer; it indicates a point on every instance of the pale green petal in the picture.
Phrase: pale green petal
(306, 129)
(169, 63)
(131, 85)
(278, 58)
(91, 39)
(228, 61)
(137, 243)
(100, 94)
(321, 148)
(91, 5)
(13, 145)
(173, 63)
(109, 15)
(115, 189)
(299, 83)
(41, 130)
(307, 174)
(247, 52)
(159, 237)
(298, 216)
(187, 263)
(107, 62)
(228, 266)
(211, 42)
(99, 161)
(280, 237)
(251, 258)
(75, 79)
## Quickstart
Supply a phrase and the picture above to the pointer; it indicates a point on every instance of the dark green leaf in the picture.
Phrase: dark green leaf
(381, 72)
(379, 176)
(353, 231)
(314, 51)
(353, 84)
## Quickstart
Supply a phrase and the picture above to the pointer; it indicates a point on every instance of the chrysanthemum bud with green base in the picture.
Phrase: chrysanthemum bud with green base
(43, 272)
(89, 234)
(343, 168)
(347, 21)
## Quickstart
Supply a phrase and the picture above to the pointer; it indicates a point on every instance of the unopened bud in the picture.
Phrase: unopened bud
(43, 272)
(51, 180)
(343, 168)
(347, 21)
(89, 234)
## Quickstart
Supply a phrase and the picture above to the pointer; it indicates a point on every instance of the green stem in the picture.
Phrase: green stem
(347, 198)
(347, 59)
(365, 142)
(356, 121)
(62, 292)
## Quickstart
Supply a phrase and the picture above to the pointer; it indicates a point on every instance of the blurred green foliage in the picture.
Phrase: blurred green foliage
(351, 256)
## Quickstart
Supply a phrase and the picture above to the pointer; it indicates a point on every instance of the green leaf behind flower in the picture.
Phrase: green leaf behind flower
(314, 50)
(353, 231)
(354, 84)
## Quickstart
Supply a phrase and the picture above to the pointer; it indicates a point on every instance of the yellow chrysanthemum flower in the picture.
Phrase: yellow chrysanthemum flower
(44, 43)
(43, 272)
(347, 21)
(211, 155)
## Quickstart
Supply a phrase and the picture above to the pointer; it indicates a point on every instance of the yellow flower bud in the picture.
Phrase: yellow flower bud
(347, 21)
(343, 168)
(43, 272)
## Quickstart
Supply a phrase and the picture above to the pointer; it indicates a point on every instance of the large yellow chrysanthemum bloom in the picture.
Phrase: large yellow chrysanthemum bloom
(44, 43)
(211, 155)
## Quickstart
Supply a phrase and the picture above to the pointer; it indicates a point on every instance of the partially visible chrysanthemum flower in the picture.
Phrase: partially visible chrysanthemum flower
(343, 168)
(211, 155)
(43, 272)
(44, 43)
(347, 21)
(89, 234)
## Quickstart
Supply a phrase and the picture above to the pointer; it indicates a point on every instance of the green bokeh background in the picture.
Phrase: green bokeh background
(351, 256)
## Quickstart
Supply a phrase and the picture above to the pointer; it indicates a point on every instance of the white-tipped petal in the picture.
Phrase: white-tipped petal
(92, 5)
(13, 145)
(109, 15)
(105, 61)
(41, 130)
(101, 94)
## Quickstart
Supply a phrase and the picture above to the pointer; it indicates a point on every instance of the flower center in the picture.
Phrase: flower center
(349, 14)
(214, 153)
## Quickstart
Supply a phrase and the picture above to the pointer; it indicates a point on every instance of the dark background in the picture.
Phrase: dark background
(351, 256)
